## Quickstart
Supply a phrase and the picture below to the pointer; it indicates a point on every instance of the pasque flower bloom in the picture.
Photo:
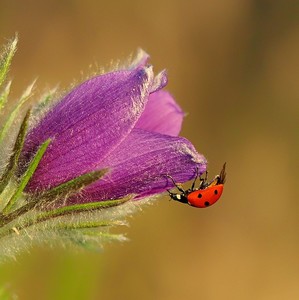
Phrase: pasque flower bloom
(70, 176)
(124, 121)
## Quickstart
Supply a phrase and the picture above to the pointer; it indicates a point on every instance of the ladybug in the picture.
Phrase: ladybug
(205, 195)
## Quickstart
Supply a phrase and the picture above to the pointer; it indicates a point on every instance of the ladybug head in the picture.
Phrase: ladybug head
(178, 197)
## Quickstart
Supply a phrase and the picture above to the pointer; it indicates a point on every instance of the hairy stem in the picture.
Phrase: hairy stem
(63, 190)
(59, 212)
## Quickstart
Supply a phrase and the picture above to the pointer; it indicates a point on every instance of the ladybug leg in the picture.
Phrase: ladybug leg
(206, 176)
(203, 181)
(196, 176)
(175, 184)
(201, 184)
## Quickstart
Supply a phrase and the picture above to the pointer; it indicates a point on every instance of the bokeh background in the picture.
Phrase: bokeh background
(233, 66)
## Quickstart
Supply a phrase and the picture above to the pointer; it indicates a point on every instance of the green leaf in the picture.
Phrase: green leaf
(6, 58)
(12, 165)
(14, 113)
(26, 177)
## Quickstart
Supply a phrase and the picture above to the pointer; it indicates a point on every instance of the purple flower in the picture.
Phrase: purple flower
(123, 121)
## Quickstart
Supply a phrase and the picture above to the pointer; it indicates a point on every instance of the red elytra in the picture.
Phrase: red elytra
(205, 195)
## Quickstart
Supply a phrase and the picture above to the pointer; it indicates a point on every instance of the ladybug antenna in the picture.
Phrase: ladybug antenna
(222, 175)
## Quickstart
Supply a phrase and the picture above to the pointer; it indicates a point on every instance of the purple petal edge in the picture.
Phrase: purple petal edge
(143, 173)
(140, 60)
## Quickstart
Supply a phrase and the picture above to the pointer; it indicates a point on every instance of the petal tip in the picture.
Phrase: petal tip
(160, 81)
(140, 60)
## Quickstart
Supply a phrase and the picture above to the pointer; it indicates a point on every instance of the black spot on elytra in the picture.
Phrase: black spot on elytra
(199, 195)
(215, 192)
(207, 203)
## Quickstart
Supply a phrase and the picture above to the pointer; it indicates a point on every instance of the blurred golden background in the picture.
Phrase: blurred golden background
(233, 67)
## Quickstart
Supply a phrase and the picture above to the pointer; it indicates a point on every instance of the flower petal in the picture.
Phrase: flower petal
(140, 59)
(87, 124)
(160, 81)
(139, 165)
(162, 114)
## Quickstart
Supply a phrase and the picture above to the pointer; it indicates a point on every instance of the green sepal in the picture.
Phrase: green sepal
(57, 193)
(78, 208)
(4, 95)
(90, 224)
(26, 177)
(12, 116)
(55, 213)
(6, 58)
(70, 187)
(92, 241)
(91, 236)
(44, 102)
(13, 161)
